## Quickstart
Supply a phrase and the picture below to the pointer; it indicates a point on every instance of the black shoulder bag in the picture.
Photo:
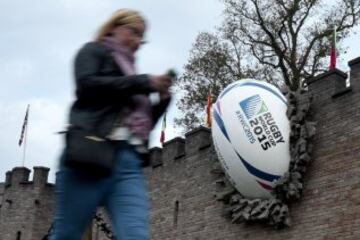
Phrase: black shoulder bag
(89, 153)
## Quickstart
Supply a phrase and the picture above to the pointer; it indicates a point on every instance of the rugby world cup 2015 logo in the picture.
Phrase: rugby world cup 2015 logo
(253, 106)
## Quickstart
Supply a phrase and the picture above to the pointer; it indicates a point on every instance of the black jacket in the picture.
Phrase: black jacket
(102, 90)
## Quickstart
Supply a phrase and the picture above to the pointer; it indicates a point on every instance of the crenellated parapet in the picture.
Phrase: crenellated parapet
(355, 73)
(26, 204)
(354, 64)
(8, 178)
(333, 83)
(173, 149)
(329, 84)
(40, 176)
(335, 98)
(20, 176)
(177, 148)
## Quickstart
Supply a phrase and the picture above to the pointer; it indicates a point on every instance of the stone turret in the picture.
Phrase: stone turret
(355, 73)
(19, 175)
(40, 176)
(26, 206)
(8, 178)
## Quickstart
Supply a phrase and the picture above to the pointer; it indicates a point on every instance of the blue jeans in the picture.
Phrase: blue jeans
(123, 194)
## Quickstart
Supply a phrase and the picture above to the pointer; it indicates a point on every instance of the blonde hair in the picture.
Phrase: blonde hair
(121, 17)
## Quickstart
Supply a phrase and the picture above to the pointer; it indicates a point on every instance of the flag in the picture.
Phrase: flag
(333, 51)
(24, 126)
(208, 111)
(162, 136)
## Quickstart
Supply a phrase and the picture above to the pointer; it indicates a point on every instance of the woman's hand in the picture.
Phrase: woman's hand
(161, 83)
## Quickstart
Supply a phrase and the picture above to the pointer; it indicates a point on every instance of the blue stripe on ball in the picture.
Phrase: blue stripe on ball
(258, 173)
(221, 125)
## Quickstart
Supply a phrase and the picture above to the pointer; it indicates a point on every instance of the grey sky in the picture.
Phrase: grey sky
(38, 42)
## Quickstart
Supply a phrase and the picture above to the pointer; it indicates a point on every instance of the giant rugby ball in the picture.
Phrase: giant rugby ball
(250, 132)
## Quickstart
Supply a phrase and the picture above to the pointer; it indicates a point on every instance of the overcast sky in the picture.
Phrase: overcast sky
(38, 43)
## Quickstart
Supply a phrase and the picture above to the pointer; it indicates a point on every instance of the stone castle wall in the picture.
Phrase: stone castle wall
(26, 206)
(182, 185)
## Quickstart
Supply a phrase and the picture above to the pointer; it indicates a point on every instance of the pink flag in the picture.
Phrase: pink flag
(333, 51)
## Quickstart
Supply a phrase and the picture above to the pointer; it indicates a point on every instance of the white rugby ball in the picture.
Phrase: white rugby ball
(250, 132)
